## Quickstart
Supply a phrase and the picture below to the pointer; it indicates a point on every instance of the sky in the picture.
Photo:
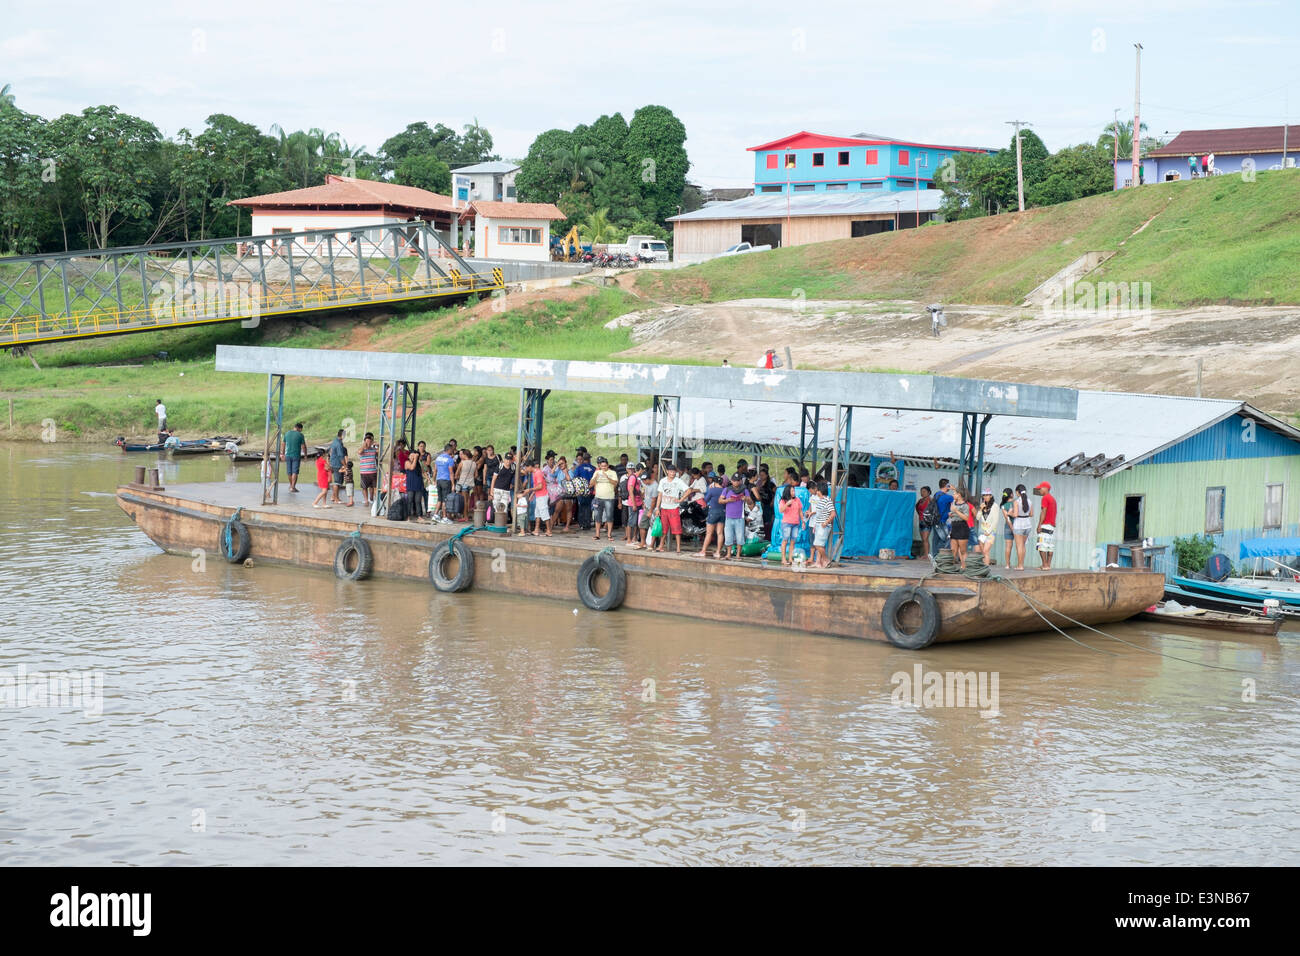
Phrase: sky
(736, 74)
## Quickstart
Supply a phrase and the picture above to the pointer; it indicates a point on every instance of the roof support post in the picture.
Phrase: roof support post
(528, 445)
(808, 436)
(387, 431)
(274, 438)
(971, 468)
(839, 478)
(665, 419)
(979, 463)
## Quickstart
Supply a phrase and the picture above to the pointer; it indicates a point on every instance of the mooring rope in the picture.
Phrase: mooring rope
(458, 535)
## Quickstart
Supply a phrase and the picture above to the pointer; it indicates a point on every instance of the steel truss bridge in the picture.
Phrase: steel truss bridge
(76, 295)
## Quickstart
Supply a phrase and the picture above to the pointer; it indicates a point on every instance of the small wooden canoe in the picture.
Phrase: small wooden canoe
(1218, 620)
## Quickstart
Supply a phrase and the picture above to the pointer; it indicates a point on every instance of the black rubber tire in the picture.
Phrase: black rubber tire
(365, 559)
(889, 618)
(235, 542)
(464, 575)
(602, 564)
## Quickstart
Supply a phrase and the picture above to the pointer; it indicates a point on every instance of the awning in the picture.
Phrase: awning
(1270, 548)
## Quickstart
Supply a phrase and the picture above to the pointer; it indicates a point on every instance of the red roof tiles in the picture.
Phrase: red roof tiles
(1245, 139)
(346, 191)
(517, 210)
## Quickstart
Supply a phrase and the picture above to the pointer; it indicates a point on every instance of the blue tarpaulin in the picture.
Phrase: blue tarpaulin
(1270, 548)
(875, 519)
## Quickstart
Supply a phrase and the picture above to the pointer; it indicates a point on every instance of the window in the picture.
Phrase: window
(875, 185)
(771, 160)
(922, 159)
(1133, 517)
(789, 161)
(1214, 510)
(836, 186)
(1272, 506)
(844, 157)
(906, 183)
(904, 157)
(510, 192)
(804, 187)
(519, 235)
(819, 159)
(778, 188)
(873, 157)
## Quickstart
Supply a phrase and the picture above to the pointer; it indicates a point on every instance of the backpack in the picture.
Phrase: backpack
(622, 488)
(930, 517)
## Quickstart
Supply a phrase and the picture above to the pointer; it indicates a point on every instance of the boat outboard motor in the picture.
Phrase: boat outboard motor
(1218, 567)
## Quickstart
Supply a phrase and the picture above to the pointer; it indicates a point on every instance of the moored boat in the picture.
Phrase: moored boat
(904, 602)
(1171, 612)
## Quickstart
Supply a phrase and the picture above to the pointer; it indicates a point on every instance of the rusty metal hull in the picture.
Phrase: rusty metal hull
(845, 602)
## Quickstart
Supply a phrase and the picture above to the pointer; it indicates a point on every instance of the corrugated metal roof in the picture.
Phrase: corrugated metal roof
(1109, 423)
(846, 203)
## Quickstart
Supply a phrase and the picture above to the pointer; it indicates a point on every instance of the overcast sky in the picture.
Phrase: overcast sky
(737, 74)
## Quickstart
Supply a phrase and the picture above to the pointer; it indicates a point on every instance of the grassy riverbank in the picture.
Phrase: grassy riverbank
(1217, 241)
(94, 391)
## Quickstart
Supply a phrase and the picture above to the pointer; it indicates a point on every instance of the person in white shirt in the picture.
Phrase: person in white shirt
(671, 490)
(161, 411)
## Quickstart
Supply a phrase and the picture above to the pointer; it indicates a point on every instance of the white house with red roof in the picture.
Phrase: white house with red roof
(343, 201)
(513, 230)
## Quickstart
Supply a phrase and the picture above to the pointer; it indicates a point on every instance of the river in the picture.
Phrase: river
(278, 716)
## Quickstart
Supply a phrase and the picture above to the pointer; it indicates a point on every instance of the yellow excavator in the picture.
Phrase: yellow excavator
(567, 249)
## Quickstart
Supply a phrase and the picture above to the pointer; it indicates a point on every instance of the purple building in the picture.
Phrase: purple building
(1229, 152)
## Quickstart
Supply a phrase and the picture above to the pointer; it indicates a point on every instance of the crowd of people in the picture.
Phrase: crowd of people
(951, 519)
(655, 506)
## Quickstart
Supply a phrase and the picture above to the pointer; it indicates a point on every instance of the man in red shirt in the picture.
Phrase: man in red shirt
(1046, 524)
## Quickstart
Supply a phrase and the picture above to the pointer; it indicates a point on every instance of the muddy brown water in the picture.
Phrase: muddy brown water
(275, 716)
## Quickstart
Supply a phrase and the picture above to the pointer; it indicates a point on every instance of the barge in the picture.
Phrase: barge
(901, 601)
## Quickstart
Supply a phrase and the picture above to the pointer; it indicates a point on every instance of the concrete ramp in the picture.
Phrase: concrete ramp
(1075, 271)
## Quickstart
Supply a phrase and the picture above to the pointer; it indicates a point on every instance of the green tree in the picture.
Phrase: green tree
(597, 227)
(1107, 138)
(1072, 173)
(475, 145)
(21, 138)
(539, 178)
(656, 152)
(425, 171)
(420, 139)
(110, 154)
(579, 165)
(6, 97)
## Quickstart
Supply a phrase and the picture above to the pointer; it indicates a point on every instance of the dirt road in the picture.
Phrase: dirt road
(1245, 352)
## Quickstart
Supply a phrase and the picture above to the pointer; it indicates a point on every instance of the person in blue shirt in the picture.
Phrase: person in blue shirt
(714, 516)
(337, 452)
(584, 469)
(943, 501)
(442, 466)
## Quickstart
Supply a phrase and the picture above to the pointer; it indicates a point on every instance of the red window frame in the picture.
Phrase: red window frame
(771, 160)
(790, 159)
(844, 157)
(904, 157)
(819, 159)
(873, 157)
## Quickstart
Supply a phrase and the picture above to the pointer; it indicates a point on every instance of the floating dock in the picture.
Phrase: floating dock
(852, 599)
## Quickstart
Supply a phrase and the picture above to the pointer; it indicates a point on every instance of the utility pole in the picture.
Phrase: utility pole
(1020, 172)
(1116, 134)
(1137, 118)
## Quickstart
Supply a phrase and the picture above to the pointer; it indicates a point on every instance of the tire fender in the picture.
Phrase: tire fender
(235, 542)
(608, 565)
(438, 564)
(891, 613)
(365, 559)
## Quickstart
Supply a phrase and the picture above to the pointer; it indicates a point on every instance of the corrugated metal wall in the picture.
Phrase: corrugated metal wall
(1232, 438)
(1076, 503)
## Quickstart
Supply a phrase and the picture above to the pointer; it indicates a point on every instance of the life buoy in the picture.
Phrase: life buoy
(602, 564)
(890, 614)
(348, 568)
(438, 567)
(235, 541)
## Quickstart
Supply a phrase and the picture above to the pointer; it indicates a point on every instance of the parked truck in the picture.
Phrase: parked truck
(644, 247)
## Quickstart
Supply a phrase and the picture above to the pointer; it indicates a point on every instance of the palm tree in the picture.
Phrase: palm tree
(6, 97)
(598, 228)
(1107, 139)
(580, 164)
